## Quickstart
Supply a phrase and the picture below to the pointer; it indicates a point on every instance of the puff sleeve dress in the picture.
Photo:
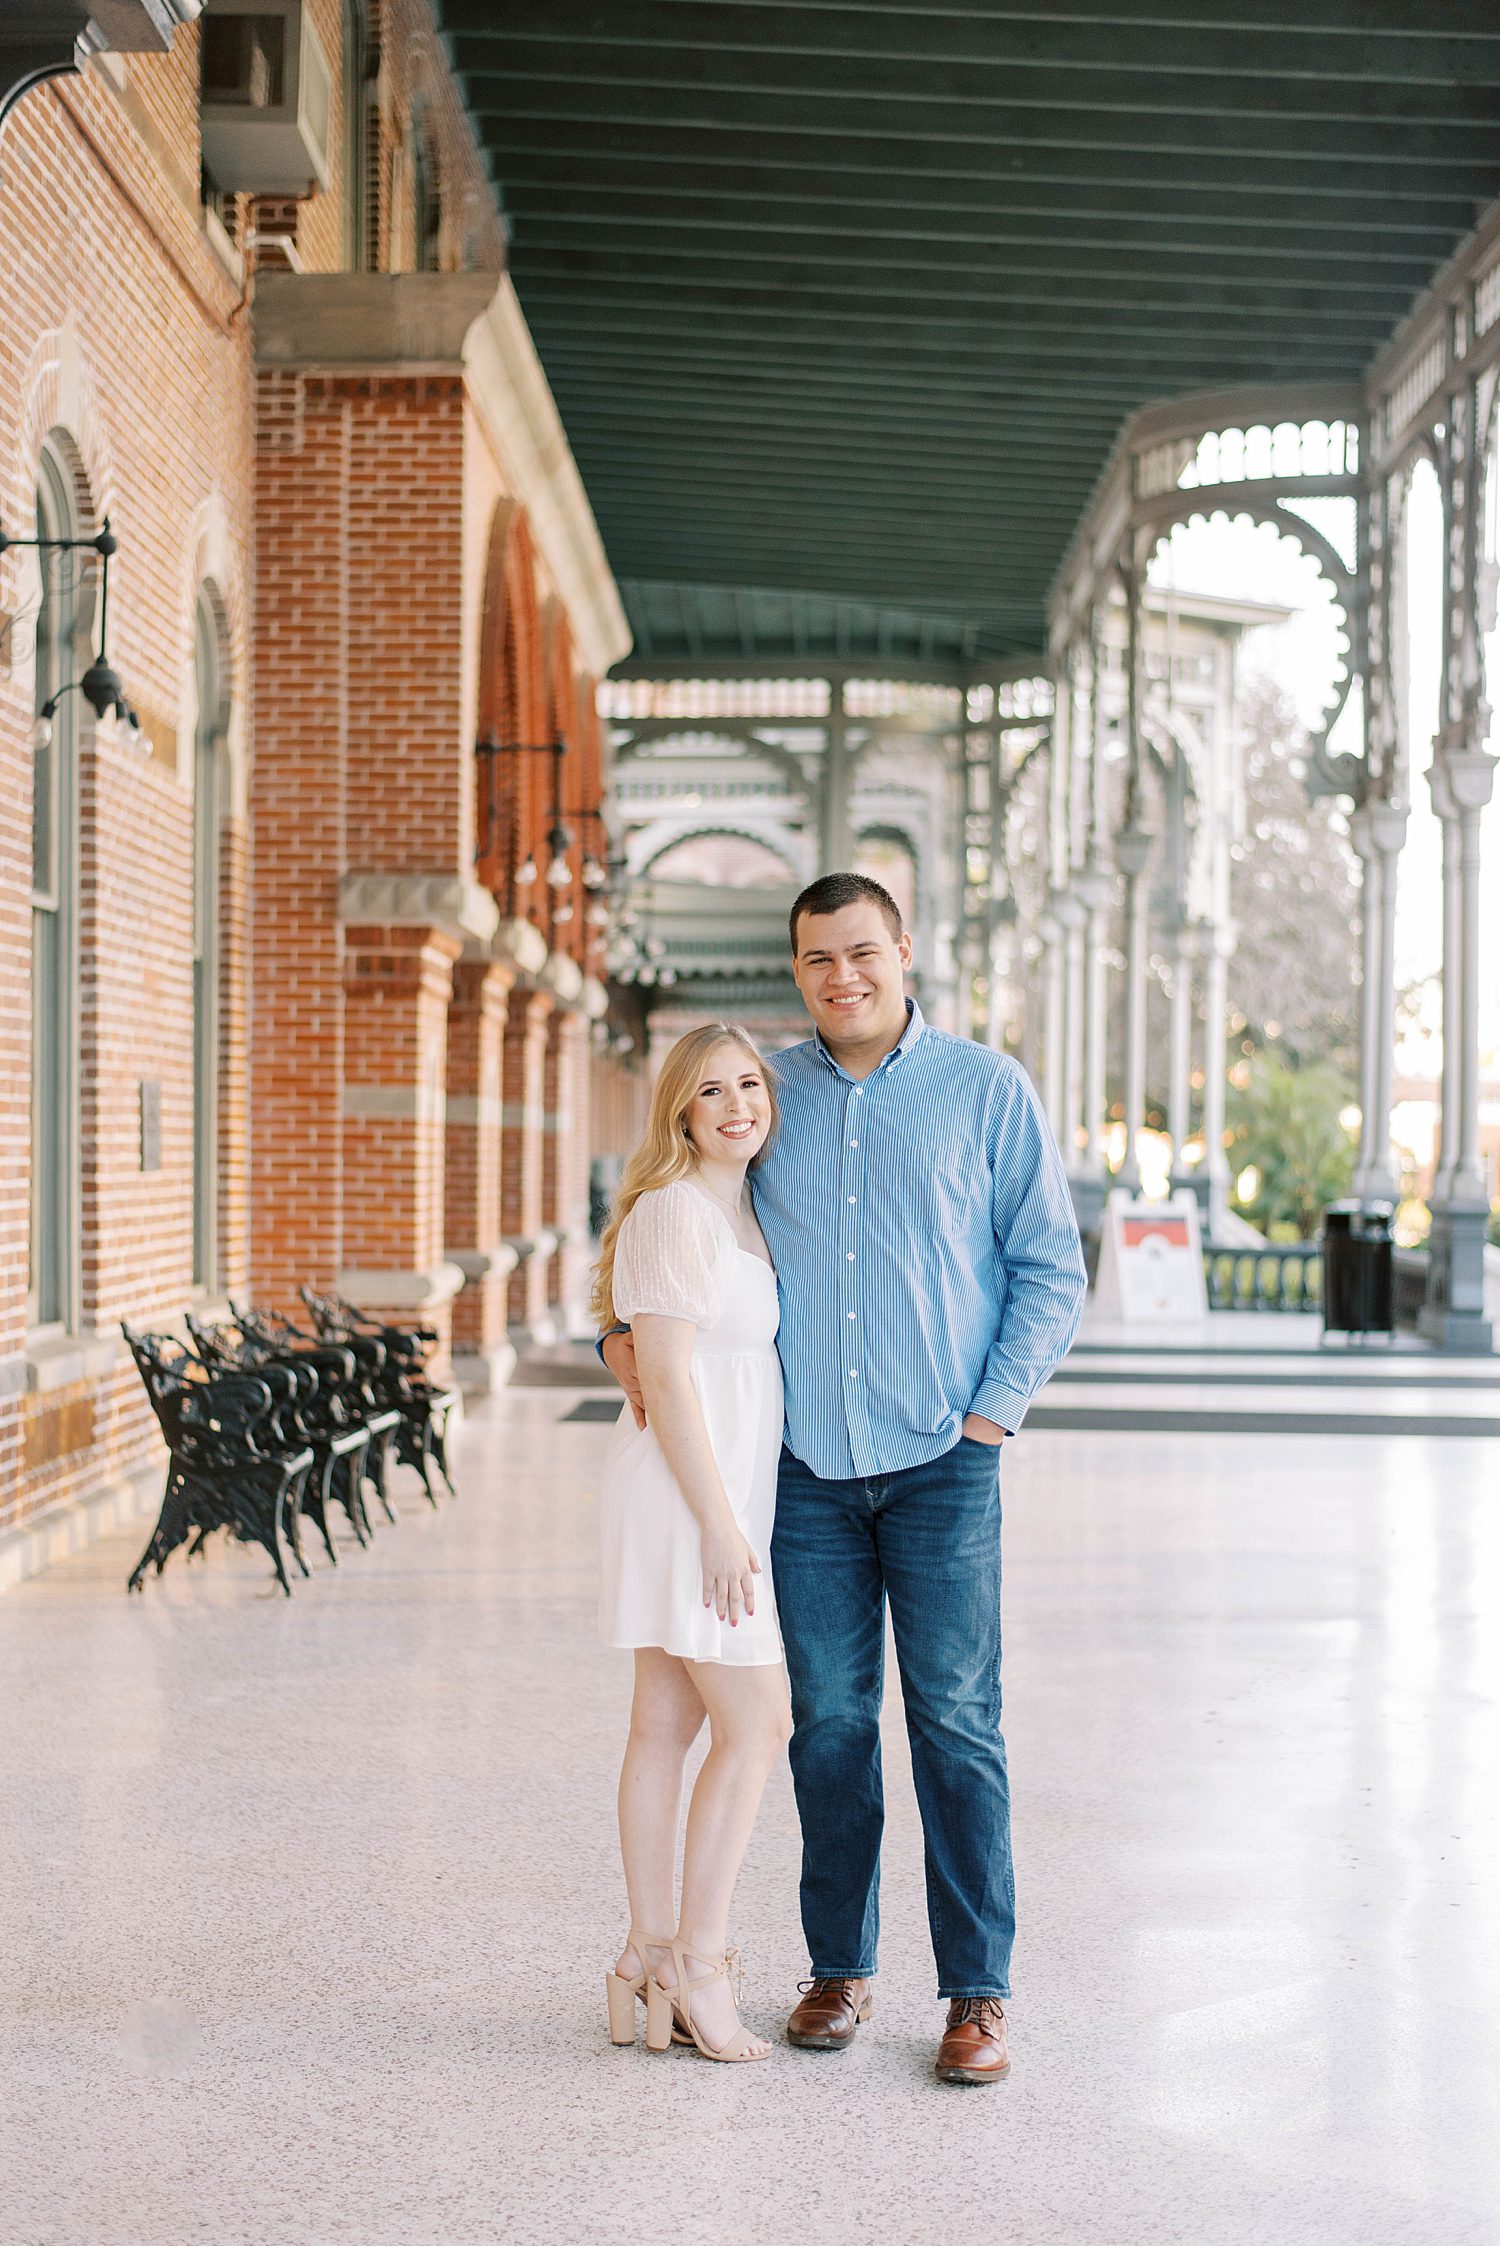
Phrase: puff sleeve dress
(677, 1255)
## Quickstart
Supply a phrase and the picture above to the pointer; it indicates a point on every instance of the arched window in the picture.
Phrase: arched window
(356, 169)
(723, 861)
(426, 197)
(52, 1296)
(211, 689)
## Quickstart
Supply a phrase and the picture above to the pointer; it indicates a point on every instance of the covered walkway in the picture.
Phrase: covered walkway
(307, 1903)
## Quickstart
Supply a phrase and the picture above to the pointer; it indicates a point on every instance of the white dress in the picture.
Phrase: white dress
(677, 1254)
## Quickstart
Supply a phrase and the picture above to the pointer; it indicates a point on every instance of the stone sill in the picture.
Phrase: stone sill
(485, 1263)
(400, 1289)
(62, 1360)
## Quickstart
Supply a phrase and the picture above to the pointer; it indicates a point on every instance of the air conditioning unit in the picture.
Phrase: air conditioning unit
(267, 98)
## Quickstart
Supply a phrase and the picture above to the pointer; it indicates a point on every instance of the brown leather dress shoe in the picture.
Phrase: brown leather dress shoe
(828, 2014)
(973, 2045)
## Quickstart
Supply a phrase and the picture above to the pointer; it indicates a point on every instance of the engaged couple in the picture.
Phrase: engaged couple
(831, 1286)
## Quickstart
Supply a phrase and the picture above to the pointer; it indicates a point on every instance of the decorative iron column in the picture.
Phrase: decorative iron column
(1070, 911)
(1462, 779)
(1055, 929)
(1180, 1049)
(1133, 850)
(1378, 832)
(835, 839)
(1001, 937)
(1090, 1170)
(1095, 885)
(1054, 970)
(1212, 1181)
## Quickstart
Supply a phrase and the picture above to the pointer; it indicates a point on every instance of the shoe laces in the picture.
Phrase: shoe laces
(984, 2011)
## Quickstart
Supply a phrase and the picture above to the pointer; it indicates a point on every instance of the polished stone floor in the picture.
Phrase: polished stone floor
(304, 1904)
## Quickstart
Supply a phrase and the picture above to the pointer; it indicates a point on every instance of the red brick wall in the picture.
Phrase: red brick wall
(353, 685)
(122, 329)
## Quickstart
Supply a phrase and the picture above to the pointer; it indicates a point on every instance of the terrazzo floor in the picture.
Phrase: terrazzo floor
(304, 1905)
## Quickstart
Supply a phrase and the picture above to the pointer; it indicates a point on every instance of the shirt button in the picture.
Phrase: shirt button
(849, 1256)
(858, 1094)
(851, 1317)
(853, 1375)
(851, 1200)
(854, 1142)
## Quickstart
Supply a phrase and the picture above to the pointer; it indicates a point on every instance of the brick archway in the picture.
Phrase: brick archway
(512, 707)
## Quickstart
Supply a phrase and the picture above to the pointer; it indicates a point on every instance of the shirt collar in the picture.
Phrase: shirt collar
(915, 1028)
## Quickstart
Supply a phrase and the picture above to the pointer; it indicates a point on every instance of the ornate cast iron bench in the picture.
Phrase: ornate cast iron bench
(233, 1458)
(403, 1383)
(329, 1411)
(360, 1392)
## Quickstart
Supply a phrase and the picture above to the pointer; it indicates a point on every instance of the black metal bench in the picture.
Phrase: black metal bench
(403, 1382)
(360, 1381)
(233, 1460)
(330, 1414)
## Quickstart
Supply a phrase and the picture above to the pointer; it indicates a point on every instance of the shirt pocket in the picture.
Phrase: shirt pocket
(946, 1186)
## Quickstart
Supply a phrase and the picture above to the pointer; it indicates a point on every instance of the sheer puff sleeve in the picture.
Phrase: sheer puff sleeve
(668, 1258)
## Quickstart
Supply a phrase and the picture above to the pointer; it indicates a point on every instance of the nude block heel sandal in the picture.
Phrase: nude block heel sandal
(662, 2004)
(620, 1996)
(622, 1993)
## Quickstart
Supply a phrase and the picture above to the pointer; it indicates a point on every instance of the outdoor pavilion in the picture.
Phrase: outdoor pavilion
(891, 340)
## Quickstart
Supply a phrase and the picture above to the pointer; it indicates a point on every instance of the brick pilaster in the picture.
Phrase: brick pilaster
(397, 987)
(472, 1187)
(523, 1114)
(565, 1162)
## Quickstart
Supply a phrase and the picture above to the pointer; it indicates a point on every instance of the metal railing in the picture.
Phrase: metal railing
(1275, 1278)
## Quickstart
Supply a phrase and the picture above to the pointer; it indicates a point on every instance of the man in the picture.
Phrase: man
(931, 1278)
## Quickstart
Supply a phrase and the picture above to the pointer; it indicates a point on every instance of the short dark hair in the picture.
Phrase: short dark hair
(832, 891)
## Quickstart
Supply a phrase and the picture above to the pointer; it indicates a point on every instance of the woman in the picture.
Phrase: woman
(685, 1519)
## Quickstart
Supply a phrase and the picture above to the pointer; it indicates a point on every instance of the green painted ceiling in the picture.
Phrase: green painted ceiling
(848, 301)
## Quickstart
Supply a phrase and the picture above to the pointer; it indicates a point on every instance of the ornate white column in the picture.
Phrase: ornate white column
(1054, 923)
(1378, 832)
(1133, 849)
(1053, 969)
(1070, 912)
(1453, 1314)
(1462, 779)
(1094, 886)
(1213, 1171)
(1180, 1049)
(1469, 778)
(835, 843)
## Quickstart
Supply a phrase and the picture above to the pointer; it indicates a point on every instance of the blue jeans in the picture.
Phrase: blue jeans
(928, 1540)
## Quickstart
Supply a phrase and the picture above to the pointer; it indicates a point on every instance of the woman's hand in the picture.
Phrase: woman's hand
(729, 1571)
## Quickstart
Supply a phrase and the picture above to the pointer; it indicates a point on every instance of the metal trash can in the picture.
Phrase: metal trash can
(1359, 1268)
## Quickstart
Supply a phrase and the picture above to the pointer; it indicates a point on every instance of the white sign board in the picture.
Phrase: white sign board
(1151, 1262)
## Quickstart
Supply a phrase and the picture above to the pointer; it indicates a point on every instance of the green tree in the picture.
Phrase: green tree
(1294, 893)
(1285, 1125)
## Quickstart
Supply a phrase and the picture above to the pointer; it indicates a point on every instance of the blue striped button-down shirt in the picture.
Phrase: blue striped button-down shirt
(924, 1238)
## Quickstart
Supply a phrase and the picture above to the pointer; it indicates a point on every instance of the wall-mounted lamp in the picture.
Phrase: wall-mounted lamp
(100, 684)
(559, 841)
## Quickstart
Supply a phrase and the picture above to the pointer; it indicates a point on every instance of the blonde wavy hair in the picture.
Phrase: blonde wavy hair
(666, 1152)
